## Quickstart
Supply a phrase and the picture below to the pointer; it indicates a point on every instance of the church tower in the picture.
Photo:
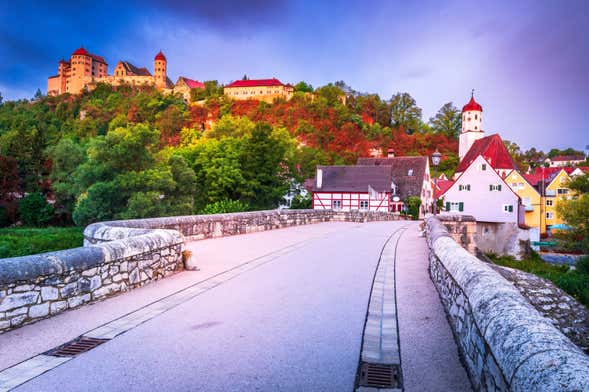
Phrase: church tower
(160, 70)
(472, 122)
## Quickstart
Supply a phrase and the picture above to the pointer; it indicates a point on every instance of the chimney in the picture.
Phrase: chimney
(319, 178)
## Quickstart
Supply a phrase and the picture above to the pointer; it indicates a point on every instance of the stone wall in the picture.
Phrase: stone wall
(38, 286)
(121, 255)
(462, 228)
(505, 343)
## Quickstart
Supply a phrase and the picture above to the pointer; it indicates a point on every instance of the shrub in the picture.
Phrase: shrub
(225, 206)
(34, 210)
(413, 203)
(582, 265)
(300, 202)
(4, 220)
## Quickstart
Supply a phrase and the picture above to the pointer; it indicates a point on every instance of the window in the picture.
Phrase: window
(527, 201)
(410, 172)
(549, 203)
(364, 204)
(549, 215)
(484, 167)
(454, 206)
(337, 204)
(507, 208)
(475, 117)
(494, 187)
(465, 187)
(562, 191)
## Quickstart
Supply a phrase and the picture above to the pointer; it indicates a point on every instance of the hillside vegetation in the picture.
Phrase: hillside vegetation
(134, 153)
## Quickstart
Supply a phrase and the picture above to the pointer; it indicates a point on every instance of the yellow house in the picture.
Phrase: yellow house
(531, 199)
(556, 190)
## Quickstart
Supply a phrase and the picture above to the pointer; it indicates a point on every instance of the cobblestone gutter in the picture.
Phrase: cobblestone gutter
(121, 255)
(505, 343)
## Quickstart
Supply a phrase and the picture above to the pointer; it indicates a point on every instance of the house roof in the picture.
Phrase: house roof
(130, 68)
(407, 172)
(255, 83)
(492, 149)
(492, 171)
(472, 105)
(443, 186)
(83, 52)
(191, 83)
(354, 179)
(566, 158)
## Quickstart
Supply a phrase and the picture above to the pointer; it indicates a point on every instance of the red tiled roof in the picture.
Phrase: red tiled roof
(533, 178)
(565, 158)
(443, 186)
(192, 83)
(160, 56)
(472, 105)
(255, 83)
(492, 149)
(99, 59)
(80, 52)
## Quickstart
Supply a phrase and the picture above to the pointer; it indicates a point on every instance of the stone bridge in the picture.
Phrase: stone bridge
(305, 301)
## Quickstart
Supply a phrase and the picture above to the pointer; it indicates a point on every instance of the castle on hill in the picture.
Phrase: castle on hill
(84, 70)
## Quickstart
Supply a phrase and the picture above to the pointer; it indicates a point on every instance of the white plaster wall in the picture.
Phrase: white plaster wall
(484, 205)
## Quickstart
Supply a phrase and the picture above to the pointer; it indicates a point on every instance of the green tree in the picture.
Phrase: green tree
(303, 87)
(34, 210)
(102, 201)
(66, 156)
(232, 126)
(448, 121)
(413, 203)
(331, 94)
(263, 164)
(300, 202)
(405, 114)
(580, 184)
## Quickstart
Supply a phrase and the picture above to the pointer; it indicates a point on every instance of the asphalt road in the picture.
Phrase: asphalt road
(294, 323)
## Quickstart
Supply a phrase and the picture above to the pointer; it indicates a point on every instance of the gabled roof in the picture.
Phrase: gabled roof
(191, 83)
(492, 149)
(490, 171)
(255, 83)
(407, 172)
(130, 68)
(354, 179)
(443, 186)
(525, 178)
(83, 52)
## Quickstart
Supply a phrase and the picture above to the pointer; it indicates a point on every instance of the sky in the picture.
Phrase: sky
(527, 60)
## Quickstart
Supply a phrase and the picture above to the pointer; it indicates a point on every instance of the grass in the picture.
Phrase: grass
(24, 241)
(574, 282)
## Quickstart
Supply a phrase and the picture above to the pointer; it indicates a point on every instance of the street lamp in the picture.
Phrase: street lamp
(436, 156)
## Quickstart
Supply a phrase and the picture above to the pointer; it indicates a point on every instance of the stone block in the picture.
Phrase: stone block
(17, 300)
(78, 300)
(17, 312)
(57, 307)
(84, 285)
(90, 272)
(69, 290)
(95, 282)
(24, 287)
(49, 293)
(37, 311)
(18, 320)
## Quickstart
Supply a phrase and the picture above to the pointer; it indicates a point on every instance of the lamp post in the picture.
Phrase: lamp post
(436, 156)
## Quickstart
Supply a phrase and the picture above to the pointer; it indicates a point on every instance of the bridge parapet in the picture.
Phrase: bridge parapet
(121, 255)
(505, 343)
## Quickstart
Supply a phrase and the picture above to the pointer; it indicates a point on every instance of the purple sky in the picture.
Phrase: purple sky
(528, 61)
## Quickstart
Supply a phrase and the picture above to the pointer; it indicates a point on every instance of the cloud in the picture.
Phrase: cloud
(227, 16)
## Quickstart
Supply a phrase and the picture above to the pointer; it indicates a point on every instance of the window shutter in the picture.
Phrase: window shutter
(510, 208)
(499, 187)
(490, 187)
(460, 206)
(468, 187)
(447, 206)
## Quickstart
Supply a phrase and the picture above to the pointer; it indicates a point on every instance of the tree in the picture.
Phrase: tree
(231, 126)
(448, 121)
(331, 94)
(303, 87)
(66, 156)
(413, 203)
(224, 206)
(579, 184)
(38, 95)
(9, 180)
(405, 114)
(102, 201)
(262, 161)
(34, 210)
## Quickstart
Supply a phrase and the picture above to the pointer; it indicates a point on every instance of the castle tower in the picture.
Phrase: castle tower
(472, 126)
(81, 70)
(160, 70)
